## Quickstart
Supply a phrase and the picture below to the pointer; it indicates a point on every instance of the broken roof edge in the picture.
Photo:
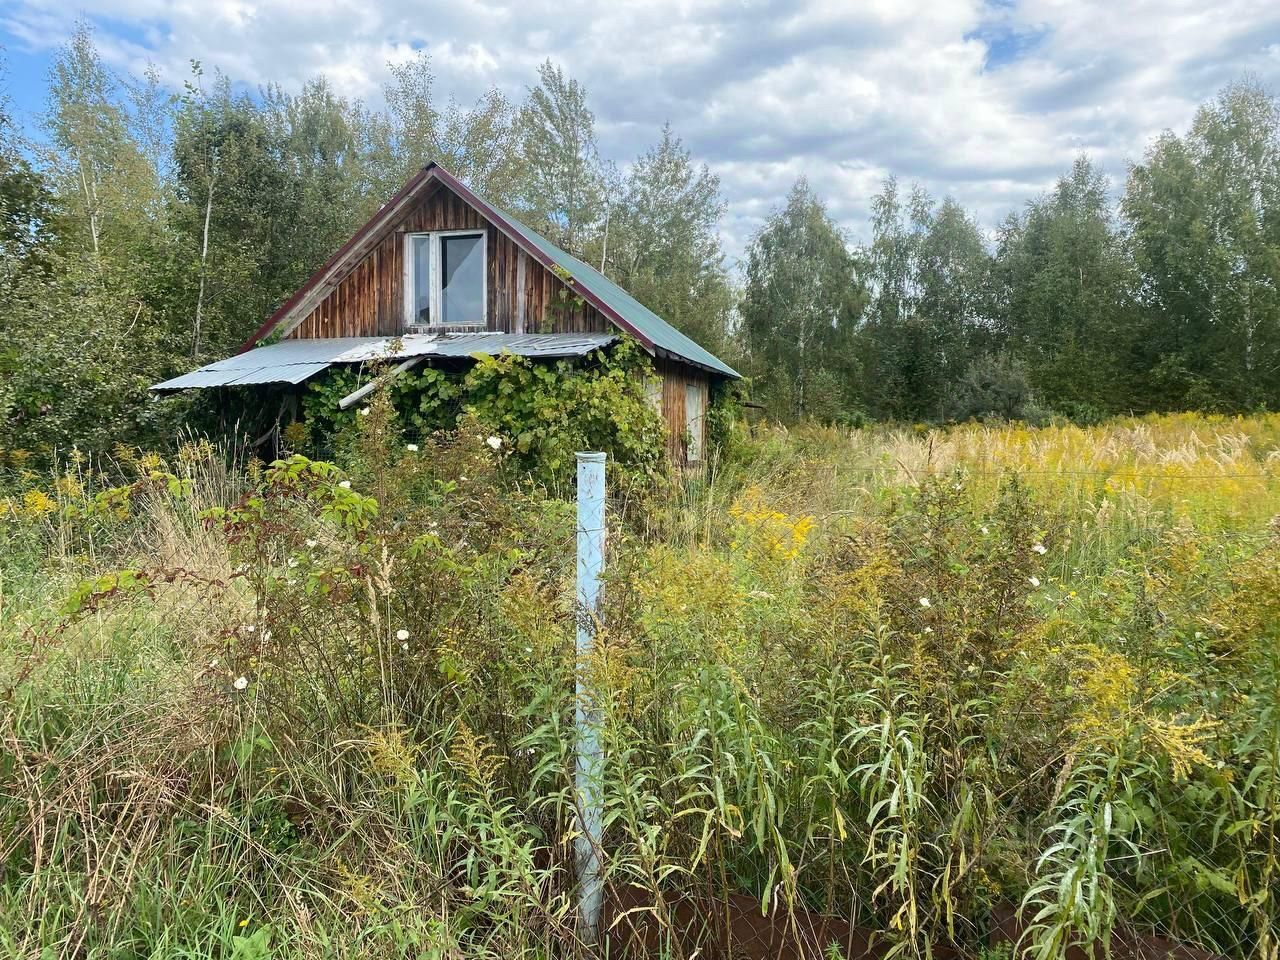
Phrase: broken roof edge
(295, 361)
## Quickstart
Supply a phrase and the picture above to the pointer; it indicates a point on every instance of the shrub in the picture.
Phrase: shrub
(994, 387)
(542, 413)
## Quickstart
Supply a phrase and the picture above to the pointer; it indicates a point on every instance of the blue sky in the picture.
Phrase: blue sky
(987, 102)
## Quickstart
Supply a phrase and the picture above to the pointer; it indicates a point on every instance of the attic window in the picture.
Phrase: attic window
(445, 279)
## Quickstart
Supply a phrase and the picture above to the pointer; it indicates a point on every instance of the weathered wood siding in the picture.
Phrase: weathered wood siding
(676, 378)
(523, 295)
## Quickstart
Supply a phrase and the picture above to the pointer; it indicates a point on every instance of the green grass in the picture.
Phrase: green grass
(901, 677)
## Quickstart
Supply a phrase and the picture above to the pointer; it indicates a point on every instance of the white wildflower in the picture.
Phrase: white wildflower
(404, 647)
(1041, 549)
(248, 628)
(402, 634)
(364, 411)
(924, 602)
(241, 683)
(312, 544)
(928, 629)
(494, 442)
(292, 562)
(985, 531)
(411, 447)
(345, 484)
(1034, 581)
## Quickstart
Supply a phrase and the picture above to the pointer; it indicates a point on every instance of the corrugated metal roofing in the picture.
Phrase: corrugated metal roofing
(293, 361)
(629, 312)
(533, 345)
(649, 324)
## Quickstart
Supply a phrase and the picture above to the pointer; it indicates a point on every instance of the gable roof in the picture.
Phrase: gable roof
(629, 314)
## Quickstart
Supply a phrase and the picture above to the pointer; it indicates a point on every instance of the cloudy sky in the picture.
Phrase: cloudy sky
(988, 102)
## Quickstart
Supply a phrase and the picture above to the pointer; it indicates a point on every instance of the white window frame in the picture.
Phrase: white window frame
(434, 260)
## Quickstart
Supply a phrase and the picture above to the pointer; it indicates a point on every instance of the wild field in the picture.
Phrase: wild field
(905, 678)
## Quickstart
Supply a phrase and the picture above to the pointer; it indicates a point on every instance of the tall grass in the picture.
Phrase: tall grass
(900, 678)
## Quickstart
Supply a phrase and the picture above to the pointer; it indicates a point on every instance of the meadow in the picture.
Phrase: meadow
(905, 677)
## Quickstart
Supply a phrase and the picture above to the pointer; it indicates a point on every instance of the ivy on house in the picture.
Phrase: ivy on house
(544, 412)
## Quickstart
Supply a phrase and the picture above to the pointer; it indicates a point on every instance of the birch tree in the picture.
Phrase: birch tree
(800, 308)
(560, 165)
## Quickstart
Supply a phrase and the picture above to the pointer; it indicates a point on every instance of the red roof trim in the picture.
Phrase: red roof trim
(417, 181)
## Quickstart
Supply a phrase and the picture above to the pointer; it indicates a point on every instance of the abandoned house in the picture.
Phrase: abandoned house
(439, 275)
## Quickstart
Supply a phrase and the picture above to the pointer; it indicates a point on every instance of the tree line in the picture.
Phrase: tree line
(1079, 306)
(143, 231)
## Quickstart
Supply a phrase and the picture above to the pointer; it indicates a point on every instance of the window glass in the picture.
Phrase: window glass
(421, 276)
(462, 279)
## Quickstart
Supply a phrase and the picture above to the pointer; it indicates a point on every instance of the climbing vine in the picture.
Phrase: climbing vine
(724, 422)
(542, 412)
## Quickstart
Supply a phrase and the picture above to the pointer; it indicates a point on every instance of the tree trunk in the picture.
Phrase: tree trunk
(91, 204)
(204, 257)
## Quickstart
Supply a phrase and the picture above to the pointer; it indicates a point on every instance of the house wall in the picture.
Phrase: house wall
(677, 379)
(522, 293)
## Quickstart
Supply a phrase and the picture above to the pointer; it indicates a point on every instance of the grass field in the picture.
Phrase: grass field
(904, 677)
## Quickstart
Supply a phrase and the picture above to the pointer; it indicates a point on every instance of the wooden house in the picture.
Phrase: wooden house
(439, 273)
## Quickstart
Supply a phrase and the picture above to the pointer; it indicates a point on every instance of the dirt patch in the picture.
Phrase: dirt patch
(1126, 943)
(685, 928)
(734, 929)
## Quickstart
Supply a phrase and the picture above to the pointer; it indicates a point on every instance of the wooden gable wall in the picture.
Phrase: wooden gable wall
(522, 293)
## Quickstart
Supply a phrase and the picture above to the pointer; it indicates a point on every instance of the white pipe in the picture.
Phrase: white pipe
(355, 396)
(590, 762)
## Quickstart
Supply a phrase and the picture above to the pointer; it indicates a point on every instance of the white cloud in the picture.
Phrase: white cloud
(987, 102)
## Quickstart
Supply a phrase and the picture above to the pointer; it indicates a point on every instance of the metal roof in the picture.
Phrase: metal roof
(293, 361)
(535, 345)
(624, 310)
(639, 318)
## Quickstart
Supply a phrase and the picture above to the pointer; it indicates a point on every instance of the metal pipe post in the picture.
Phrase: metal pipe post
(587, 716)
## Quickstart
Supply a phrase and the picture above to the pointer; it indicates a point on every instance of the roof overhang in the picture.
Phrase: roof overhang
(295, 361)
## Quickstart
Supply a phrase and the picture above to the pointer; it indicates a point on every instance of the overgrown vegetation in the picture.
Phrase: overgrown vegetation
(902, 677)
(548, 410)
